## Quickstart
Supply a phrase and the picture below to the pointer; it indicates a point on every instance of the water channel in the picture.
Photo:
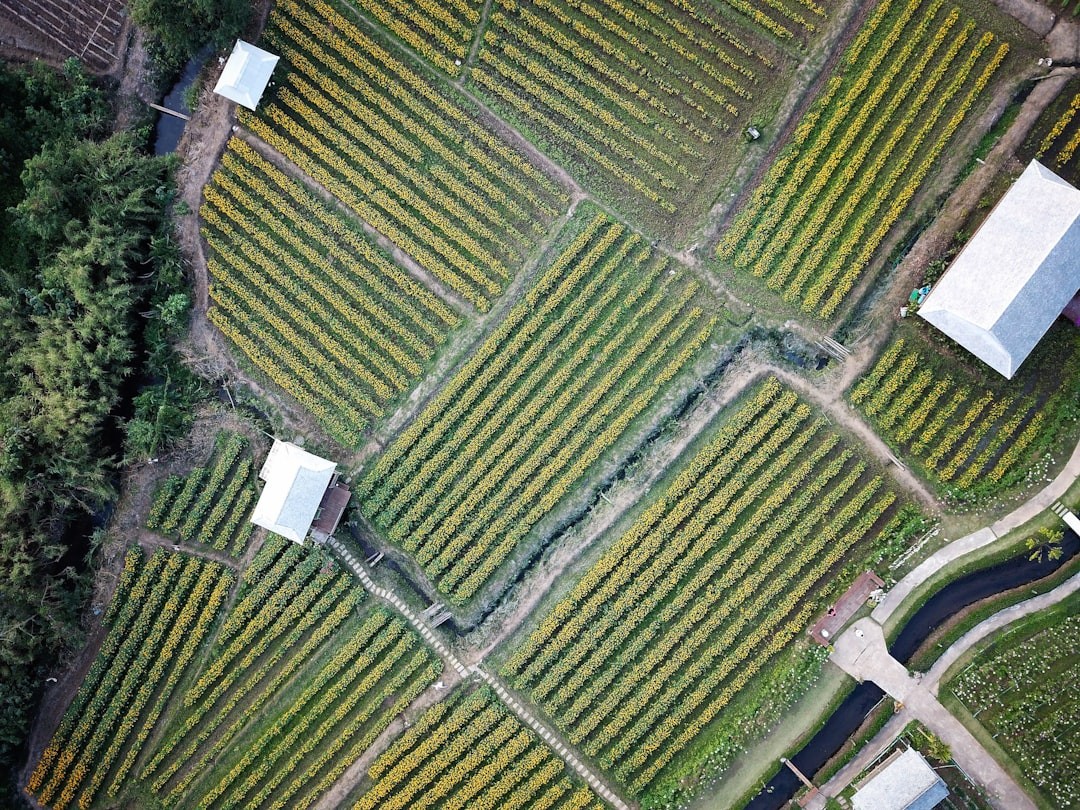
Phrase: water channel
(951, 599)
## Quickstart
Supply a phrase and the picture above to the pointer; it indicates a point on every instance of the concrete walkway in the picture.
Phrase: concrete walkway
(862, 653)
(550, 737)
(860, 660)
(1038, 503)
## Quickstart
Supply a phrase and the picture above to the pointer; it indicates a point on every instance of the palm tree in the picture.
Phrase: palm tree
(1046, 543)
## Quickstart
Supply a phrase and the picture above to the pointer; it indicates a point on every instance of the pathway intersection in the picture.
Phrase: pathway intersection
(568, 755)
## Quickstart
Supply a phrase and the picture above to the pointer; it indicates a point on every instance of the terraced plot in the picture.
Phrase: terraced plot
(304, 293)
(972, 438)
(587, 351)
(403, 150)
(212, 503)
(905, 86)
(659, 658)
(163, 609)
(643, 99)
(469, 751)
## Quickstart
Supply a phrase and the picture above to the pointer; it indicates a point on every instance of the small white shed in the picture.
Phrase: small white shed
(246, 74)
(296, 482)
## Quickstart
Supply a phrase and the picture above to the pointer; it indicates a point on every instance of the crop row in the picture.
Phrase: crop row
(716, 577)
(210, 505)
(585, 353)
(351, 698)
(470, 752)
(441, 32)
(853, 165)
(635, 89)
(390, 320)
(403, 152)
(166, 611)
(249, 668)
(961, 433)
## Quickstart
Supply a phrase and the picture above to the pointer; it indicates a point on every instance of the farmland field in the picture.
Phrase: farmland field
(403, 151)
(970, 434)
(440, 32)
(1016, 691)
(912, 75)
(661, 640)
(298, 682)
(310, 300)
(315, 706)
(590, 348)
(163, 609)
(212, 503)
(469, 751)
(645, 100)
(88, 30)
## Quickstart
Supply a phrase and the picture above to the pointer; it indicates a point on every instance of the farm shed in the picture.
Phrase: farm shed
(1015, 275)
(901, 782)
(299, 485)
(245, 75)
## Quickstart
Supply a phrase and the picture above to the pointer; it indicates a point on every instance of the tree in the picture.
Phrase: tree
(181, 27)
(1045, 544)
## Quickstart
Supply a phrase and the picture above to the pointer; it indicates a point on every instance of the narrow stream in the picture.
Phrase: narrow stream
(956, 596)
(169, 127)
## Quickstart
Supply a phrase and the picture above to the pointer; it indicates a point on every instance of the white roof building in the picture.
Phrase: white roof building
(1015, 275)
(245, 74)
(296, 482)
(904, 782)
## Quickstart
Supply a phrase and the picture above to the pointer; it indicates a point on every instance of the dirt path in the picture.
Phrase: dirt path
(152, 542)
(617, 501)
(831, 401)
(936, 238)
(401, 258)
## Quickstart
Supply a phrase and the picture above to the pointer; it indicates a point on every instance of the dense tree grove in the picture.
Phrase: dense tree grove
(88, 273)
(180, 27)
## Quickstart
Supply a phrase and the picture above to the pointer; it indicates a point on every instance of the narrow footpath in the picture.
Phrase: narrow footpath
(551, 737)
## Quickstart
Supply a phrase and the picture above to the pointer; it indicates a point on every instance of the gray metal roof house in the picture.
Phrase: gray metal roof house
(903, 782)
(1015, 275)
(300, 488)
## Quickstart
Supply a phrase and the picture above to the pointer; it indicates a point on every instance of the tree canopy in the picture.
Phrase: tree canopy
(81, 215)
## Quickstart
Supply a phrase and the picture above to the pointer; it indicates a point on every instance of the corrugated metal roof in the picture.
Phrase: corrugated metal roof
(1015, 275)
(296, 481)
